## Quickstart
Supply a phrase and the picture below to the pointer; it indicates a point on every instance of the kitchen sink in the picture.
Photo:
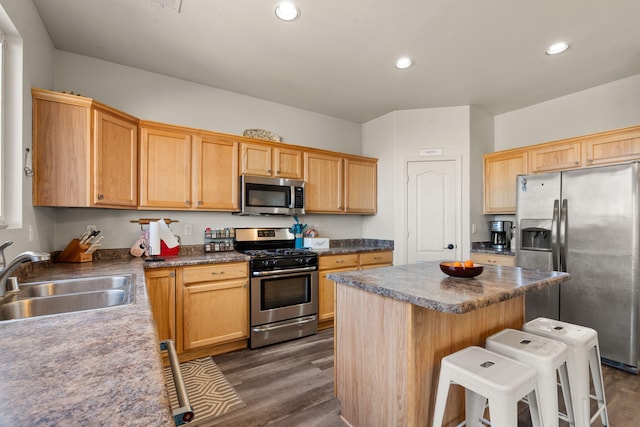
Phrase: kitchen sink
(72, 286)
(67, 296)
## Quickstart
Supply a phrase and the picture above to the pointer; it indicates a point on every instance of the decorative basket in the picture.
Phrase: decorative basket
(262, 134)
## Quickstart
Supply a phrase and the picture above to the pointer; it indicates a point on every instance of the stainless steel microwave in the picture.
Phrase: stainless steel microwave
(271, 196)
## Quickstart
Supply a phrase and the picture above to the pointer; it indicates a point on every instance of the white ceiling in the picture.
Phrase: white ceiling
(338, 57)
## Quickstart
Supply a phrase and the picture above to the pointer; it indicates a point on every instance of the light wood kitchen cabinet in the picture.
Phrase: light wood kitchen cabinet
(215, 301)
(555, 157)
(500, 172)
(323, 182)
(493, 259)
(165, 168)
(501, 167)
(184, 169)
(339, 263)
(84, 153)
(161, 288)
(360, 179)
(339, 184)
(612, 147)
(216, 172)
(272, 160)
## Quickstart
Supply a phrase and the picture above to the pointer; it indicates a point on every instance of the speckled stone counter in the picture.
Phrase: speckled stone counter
(349, 246)
(394, 325)
(486, 248)
(91, 368)
(426, 286)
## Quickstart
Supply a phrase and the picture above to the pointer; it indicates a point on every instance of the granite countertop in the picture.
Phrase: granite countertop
(100, 367)
(425, 285)
(486, 248)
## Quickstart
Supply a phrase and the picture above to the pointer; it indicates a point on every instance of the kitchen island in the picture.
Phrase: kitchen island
(394, 325)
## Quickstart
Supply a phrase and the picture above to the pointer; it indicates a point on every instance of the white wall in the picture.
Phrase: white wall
(151, 96)
(482, 132)
(602, 108)
(36, 68)
(398, 137)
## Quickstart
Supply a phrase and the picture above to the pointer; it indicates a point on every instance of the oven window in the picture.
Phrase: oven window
(268, 195)
(277, 293)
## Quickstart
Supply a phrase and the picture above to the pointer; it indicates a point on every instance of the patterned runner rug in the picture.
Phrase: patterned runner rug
(210, 393)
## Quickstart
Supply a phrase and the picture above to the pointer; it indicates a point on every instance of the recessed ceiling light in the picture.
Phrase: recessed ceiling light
(287, 11)
(557, 48)
(404, 62)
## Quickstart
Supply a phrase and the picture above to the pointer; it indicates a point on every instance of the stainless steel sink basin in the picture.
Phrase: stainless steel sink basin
(67, 296)
(72, 286)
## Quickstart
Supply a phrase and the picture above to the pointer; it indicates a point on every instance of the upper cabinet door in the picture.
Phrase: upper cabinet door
(216, 169)
(323, 177)
(256, 159)
(165, 168)
(612, 147)
(555, 157)
(287, 163)
(115, 171)
(500, 172)
(360, 180)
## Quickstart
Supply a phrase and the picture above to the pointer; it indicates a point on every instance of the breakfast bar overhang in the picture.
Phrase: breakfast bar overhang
(394, 325)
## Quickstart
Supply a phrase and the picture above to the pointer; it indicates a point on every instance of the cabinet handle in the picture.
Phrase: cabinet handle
(268, 171)
(187, 202)
(215, 272)
(339, 261)
(576, 163)
(589, 161)
(100, 196)
(199, 202)
(277, 172)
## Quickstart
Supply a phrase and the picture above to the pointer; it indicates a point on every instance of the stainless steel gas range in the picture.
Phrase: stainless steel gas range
(284, 285)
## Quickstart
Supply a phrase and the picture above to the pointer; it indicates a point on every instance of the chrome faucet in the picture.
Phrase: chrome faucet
(7, 269)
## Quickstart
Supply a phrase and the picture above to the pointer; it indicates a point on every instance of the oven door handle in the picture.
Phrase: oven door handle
(286, 271)
(298, 321)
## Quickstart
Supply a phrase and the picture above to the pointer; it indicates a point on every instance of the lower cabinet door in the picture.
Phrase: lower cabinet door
(215, 312)
(161, 288)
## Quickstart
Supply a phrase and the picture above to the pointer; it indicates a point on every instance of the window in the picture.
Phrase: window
(2, 139)
(11, 123)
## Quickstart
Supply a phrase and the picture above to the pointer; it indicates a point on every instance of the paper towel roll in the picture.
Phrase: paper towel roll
(166, 235)
(154, 238)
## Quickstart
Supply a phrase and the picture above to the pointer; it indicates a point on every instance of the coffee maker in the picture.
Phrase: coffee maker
(500, 235)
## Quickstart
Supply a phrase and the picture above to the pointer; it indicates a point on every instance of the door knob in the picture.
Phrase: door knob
(450, 246)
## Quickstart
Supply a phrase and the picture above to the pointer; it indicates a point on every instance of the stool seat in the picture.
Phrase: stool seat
(583, 358)
(549, 358)
(487, 376)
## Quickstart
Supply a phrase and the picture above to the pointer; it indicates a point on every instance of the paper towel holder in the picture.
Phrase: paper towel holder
(146, 221)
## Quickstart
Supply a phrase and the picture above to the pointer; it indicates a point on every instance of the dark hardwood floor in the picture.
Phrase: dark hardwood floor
(291, 385)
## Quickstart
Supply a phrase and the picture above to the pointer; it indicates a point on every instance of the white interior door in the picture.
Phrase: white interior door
(433, 211)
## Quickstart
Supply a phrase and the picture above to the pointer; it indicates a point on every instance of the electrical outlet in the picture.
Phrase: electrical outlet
(188, 230)
(30, 233)
(474, 229)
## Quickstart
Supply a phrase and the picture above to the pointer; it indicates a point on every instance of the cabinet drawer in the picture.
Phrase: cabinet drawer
(370, 258)
(492, 259)
(337, 261)
(215, 272)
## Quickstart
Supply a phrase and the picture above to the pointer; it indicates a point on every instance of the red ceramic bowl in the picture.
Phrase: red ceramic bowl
(465, 272)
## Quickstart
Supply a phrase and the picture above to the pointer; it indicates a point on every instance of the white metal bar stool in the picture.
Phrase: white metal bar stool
(549, 358)
(583, 356)
(487, 376)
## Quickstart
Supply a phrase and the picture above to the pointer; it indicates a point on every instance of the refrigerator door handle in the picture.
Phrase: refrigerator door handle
(563, 236)
(554, 235)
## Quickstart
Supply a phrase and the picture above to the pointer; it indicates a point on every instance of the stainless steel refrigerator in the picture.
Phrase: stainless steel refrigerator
(586, 222)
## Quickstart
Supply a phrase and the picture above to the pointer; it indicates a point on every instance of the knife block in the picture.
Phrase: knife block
(75, 252)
